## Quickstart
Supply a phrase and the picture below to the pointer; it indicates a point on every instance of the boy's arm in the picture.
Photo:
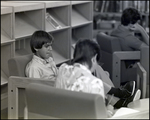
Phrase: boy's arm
(140, 29)
(33, 73)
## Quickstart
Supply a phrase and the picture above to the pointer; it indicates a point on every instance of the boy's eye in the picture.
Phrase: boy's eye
(47, 45)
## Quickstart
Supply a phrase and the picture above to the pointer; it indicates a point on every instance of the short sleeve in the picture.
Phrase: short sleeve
(97, 87)
(134, 42)
(33, 72)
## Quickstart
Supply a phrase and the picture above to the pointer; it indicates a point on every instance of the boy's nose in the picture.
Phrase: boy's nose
(50, 48)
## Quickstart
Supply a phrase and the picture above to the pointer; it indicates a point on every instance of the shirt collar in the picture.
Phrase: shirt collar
(42, 60)
(83, 67)
(126, 31)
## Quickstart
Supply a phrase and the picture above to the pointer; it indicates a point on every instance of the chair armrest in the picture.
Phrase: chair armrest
(15, 84)
(141, 79)
(127, 55)
(117, 57)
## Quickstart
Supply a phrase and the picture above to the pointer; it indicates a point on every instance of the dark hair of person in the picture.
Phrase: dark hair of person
(130, 16)
(39, 38)
(85, 50)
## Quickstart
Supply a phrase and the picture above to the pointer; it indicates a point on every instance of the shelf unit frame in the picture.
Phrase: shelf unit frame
(23, 12)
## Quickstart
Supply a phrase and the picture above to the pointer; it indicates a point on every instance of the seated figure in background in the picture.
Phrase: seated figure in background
(126, 32)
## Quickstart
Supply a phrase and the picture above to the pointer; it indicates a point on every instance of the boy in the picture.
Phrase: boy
(125, 31)
(42, 64)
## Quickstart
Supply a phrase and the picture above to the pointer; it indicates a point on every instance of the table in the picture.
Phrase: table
(141, 104)
(139, 115)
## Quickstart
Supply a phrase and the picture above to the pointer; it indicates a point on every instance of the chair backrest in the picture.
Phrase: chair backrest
(44, 101)
(144, 60)
(17, 65)
(108, 45)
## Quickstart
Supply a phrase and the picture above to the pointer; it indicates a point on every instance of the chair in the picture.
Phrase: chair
(113, 58)
(143, 72)
(49, 102)
(17, 65)
(17, 83)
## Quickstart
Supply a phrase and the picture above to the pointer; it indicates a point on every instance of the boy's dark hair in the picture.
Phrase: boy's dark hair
(85, 49)
(39, 38)
(130, 16)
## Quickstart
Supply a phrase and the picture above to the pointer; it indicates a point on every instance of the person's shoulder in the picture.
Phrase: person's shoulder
(65, 67)
(130, 37)
(95, 79)
(32, 65)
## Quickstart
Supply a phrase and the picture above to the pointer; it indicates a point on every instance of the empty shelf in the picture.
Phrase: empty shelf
(78, 19)
(24, 26)
(5, 38)
(4, 78)
(20, 52)
(6, 10)
(58, 58)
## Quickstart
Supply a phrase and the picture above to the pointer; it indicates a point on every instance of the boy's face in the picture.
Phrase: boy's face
(45, 52)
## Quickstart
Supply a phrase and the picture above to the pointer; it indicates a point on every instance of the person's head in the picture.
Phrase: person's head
(87, 52)
(130, 16)
(40, 43)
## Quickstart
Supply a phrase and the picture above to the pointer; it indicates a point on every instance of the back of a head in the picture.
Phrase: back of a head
(85, 49)
(130, 16)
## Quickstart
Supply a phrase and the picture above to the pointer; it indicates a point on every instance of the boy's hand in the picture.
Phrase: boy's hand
(137, 27)
(110, 110)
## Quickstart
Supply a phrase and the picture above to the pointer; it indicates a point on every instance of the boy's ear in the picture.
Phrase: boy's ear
(131, 26)
(94, 58)
(36, 49)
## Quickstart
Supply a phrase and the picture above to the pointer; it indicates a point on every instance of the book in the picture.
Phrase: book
(52, 21)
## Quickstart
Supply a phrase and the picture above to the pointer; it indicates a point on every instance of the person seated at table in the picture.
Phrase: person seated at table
(79, 77)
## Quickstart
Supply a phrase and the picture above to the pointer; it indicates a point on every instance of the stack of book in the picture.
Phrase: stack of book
(119, 6)
(52, 21)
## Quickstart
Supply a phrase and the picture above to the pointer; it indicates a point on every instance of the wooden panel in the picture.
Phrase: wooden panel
(16, 86)
(6, 53)
(24, 26)
(79, 2)
(6, 25)
(6, 10)
(4, 78)
(77, 19)
(23, 6)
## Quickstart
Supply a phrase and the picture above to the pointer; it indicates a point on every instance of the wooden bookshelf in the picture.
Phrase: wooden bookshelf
(26, 17)
(81, 21)
(7, 50)
(60, 11)
(7, 41)
(114, 10)
(61, 45)
(70, 15)
(81, 13)
(21, 18)
(58, 14)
